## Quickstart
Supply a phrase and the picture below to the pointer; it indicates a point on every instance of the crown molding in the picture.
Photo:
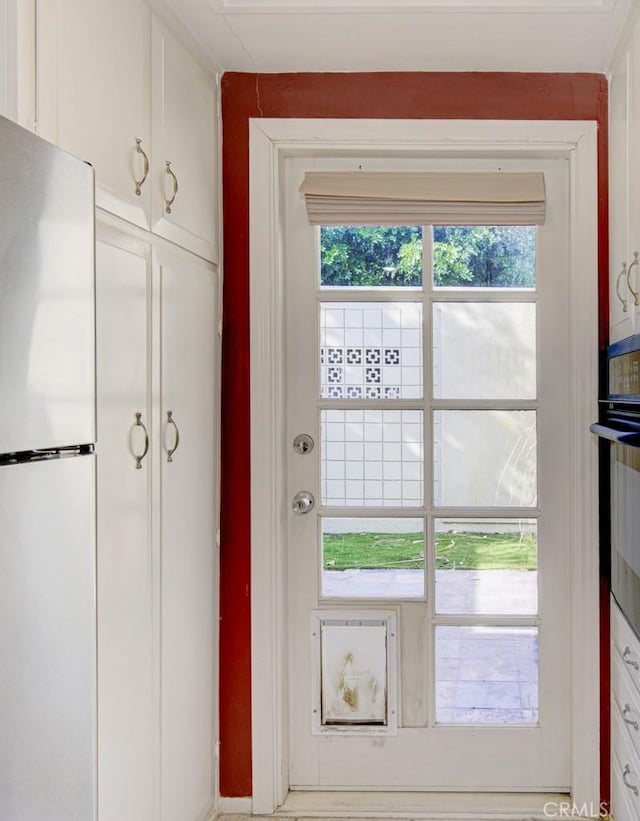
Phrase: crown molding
(412, 6)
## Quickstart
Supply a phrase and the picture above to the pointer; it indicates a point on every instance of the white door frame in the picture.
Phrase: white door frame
(271, 141)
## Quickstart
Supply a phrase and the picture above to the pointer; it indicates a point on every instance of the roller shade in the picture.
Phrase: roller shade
(408, 198)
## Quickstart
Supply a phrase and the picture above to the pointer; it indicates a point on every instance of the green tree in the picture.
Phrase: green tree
(485, 256)
(371, 255)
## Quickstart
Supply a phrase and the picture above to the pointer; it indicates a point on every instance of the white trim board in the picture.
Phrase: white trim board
(234, 806)
(271, 141)
(432, 806)
(388, 6)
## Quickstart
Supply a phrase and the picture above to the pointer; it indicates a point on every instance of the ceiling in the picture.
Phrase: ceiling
(405, 35)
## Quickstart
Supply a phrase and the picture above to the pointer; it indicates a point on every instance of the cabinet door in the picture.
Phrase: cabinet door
(184, 135)
(620, 300)
(93, 93)
(634, 174)
(189, 511)
(126, 693)
(18, 62)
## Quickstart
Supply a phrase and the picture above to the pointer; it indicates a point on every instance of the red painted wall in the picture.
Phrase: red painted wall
(384, 95)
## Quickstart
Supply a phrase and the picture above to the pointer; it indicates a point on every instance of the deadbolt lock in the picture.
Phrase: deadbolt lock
(303, 443)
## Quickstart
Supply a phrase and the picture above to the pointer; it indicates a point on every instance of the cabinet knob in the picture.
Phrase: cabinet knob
(145, 160)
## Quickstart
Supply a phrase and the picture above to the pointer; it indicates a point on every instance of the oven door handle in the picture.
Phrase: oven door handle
(621, 435)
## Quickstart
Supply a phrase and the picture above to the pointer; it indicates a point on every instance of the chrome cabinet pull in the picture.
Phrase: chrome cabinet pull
(145, 160)
(630, 662)
(634, 724)
(632, 787)
(139, 457)
(174, 179)
(171, 451)
(629, 286)
(622, 273)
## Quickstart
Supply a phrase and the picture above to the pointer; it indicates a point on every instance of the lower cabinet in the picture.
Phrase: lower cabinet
(625, 719)
(157, 355)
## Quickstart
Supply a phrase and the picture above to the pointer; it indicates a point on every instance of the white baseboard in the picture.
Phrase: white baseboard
(242, 806)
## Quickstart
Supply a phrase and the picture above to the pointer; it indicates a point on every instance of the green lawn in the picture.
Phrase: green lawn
(462, 551)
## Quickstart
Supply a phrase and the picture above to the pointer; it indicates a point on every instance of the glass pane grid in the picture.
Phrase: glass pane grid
(485, 458)
(485, 566)
(372, 458)
(479, 350)
(370, 350)
(484, 256)
(370, 256)
(486, 675)
(484, 350)
(373, 558)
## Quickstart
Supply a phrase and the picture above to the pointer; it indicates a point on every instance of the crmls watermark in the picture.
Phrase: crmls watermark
(566, 809)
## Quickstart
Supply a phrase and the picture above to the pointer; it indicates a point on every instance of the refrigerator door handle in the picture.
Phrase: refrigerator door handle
(140, 424)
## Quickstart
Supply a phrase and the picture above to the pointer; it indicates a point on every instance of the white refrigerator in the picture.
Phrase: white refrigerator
(47, 482)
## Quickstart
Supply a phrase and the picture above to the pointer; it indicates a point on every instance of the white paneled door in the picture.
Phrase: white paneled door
(188, 452)
(126, 675)
(428, 496)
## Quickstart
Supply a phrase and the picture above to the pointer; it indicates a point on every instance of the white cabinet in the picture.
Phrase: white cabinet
(184, 148)
(621, 309)
(157, 578)
(118, 89)
(17, 61)
(624, 189)
(625, 719)
(188, 320)
(126, 675)
(93, 93)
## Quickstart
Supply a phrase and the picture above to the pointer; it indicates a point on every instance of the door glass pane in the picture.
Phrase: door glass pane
(487, 675)
(373, 558)
(354, 256)
(486, 566)
(371, 350)
(484, 350)
(484, 256)
(372, 458)
(485, 458)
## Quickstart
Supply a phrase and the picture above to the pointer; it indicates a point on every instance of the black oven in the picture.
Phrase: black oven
(620, 425)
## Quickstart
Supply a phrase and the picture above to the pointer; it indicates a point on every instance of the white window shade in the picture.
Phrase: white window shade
(440, 198)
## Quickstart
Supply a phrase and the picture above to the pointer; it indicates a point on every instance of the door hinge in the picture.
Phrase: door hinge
(217, 538)
(220, 327)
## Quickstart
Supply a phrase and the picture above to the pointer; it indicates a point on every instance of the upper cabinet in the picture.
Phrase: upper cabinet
(620, 310)
(119, 90)
(17, 61)
(93, 93)
(624, 189)
(184, 146)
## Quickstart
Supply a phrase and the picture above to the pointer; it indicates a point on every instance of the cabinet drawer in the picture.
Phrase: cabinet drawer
(625, 700)
(626, 646)
(625, 772)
